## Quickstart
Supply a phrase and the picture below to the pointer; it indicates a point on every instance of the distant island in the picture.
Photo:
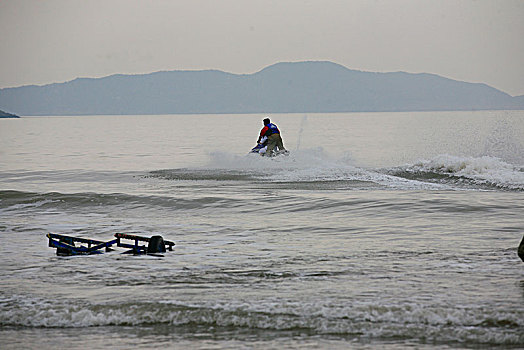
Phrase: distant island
(298, 87)
(7, 115)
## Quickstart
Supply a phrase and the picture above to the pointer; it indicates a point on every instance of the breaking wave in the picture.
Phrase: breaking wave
(310, 169)
(446, 172)
(482, 172)
(361, 319)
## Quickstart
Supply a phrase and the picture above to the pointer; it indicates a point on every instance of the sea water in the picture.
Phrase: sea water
(379, 230)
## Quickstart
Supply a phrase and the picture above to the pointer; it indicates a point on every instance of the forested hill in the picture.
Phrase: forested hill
(280, 88)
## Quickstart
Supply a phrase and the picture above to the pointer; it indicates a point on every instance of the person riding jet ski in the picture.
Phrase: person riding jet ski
(274, 144)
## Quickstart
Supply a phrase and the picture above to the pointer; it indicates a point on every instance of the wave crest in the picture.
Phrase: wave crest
(368, 320)
(487, 172)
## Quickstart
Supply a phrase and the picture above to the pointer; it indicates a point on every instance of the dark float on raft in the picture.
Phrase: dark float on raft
(67, 245)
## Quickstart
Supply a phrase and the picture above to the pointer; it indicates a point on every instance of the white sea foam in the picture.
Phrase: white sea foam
(405, 320)
(313, 165)
(481, 170)
(253, 161)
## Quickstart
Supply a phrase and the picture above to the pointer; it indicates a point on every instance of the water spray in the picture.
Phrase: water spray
(301, 130)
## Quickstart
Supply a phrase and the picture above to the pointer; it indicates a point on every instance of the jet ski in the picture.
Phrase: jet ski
(261, 148)
(258, 147)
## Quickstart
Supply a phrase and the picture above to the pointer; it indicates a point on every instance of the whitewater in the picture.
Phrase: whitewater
(390, 230)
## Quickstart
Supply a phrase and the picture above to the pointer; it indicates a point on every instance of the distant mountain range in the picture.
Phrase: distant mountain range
(300, 87)
(7, 115)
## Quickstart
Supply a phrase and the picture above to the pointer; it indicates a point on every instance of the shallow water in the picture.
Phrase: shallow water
(395, 230)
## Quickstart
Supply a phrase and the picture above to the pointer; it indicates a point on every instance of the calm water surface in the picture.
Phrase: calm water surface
(386, 230)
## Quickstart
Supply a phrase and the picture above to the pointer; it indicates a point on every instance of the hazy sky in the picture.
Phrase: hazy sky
(46, 41)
